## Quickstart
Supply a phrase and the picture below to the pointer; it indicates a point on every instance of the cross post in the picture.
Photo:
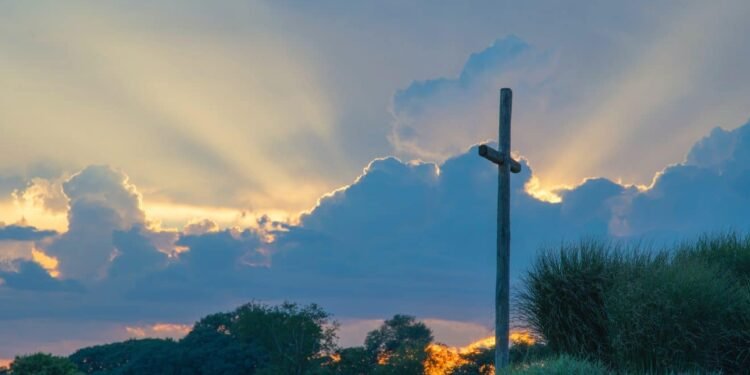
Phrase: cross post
(505, 165)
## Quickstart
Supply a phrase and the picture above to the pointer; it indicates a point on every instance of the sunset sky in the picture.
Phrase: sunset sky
(162, 160)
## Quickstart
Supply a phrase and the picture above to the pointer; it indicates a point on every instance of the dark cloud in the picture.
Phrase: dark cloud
(30, 276)
(214, 267)
(135, 254)
(23, 233)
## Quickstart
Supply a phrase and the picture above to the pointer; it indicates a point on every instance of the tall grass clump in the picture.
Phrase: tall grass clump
(680, 309)
(729, 252)
(564, 297)
(681, 316)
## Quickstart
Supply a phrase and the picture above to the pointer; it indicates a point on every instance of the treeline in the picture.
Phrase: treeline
(254, 339)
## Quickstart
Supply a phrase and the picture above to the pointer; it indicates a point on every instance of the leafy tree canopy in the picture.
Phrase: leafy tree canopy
(42, 364)
(399, 345)
(296, 338)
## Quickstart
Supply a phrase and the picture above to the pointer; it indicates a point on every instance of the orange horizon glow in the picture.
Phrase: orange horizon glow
(442, 358)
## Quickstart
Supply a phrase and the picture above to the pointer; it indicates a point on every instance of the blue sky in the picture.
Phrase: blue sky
(164, 160)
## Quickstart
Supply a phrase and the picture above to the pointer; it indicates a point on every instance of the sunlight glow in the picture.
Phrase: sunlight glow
(159, 330)
(49, 263)
(442, 358)
(29, 214)
(534, 188)
(167, 215)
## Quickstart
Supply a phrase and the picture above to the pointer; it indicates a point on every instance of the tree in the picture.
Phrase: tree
(351, 361)
(42, 364)
(399, 346)
(146, 356)
(211, 348)
(296, 338)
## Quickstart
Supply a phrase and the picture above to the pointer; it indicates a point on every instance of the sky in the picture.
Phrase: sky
(162, 160)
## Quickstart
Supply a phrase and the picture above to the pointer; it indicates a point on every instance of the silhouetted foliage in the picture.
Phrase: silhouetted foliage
(129, 357)
(560, 365)
(680, 316)
(42, 364)
(687, 309)
(351, 361)
(399, 346)
(478, 362)
(255, 338)
(211, 348)
(522, 352)
(564, 297)
(296, 338)
(481, 361)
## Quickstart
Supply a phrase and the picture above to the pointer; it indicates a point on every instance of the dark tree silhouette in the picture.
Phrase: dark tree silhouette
(42, 364)
(399, 346)
(298, 339)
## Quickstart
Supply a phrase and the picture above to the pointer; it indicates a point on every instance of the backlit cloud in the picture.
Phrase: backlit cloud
(409, 237)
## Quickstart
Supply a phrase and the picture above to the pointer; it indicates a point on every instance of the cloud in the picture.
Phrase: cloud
(30, 276)
(415, 234)
(706, 193)
(23, 233)
(135, 254)
(404, 237)
(43, 193)
(102, 201)
(161, 330)
(428, 113)
(198, 227)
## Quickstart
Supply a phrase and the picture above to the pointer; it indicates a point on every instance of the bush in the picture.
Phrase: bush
(562, 365)
(726, 251)
(564, 297)
(481, 361)
(685, 310)
(523, 353)
(684, 315)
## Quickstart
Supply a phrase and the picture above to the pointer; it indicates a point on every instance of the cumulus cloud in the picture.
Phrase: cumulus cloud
(428, 113)
(23, 233)
(198, 227)
(415, 234)
(412, 237)
(30, 276)
(43, 193)
(101, 201)
(706, 193)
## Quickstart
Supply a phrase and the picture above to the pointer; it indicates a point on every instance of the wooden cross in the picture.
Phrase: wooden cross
(505, 165)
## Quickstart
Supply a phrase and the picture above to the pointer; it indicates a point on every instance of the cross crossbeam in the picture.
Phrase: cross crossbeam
(498, 158)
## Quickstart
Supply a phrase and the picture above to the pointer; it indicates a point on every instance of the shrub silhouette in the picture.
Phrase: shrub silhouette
(687, 309)
(683, 315)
